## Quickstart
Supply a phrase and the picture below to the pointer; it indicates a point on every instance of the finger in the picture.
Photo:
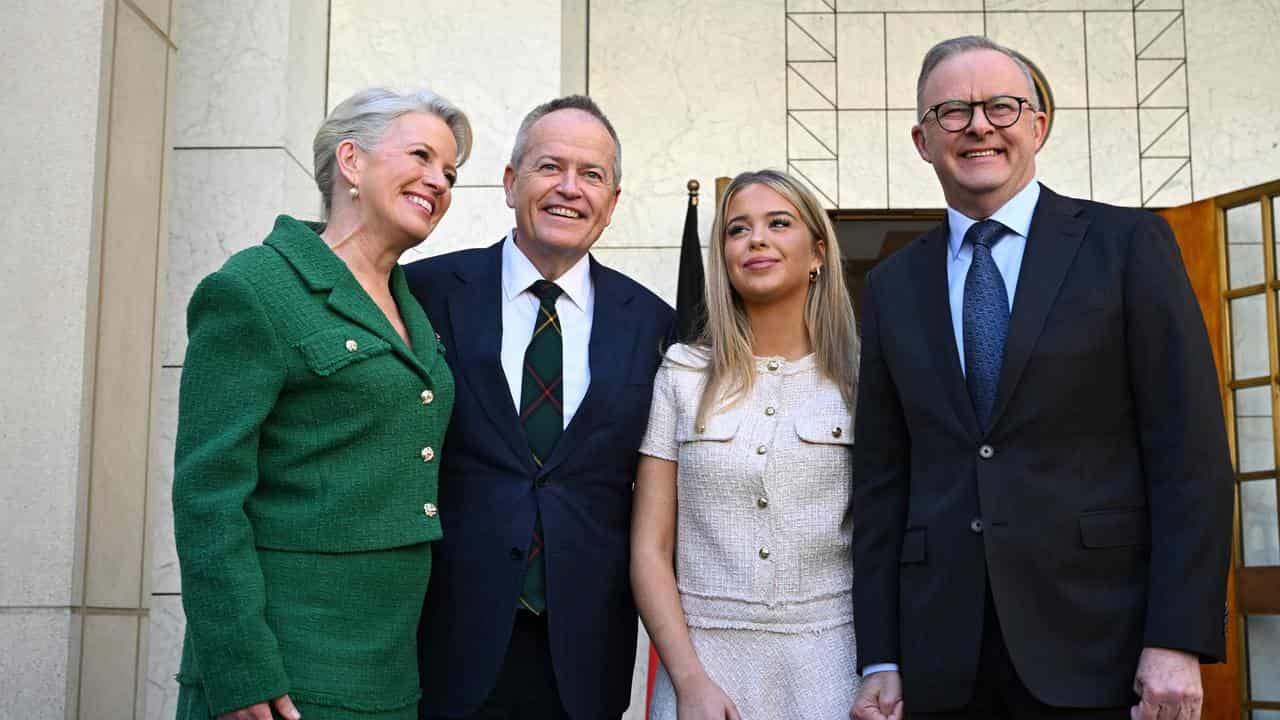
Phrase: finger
(1144, 710)
(731, 712)
(261, 711)
(897, 711)
(866, 710)
(285, 707)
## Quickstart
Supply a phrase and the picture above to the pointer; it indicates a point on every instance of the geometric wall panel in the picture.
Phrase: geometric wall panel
(1118, 69)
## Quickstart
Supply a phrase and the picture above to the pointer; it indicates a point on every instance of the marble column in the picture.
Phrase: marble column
(250, 93)
(92, 98)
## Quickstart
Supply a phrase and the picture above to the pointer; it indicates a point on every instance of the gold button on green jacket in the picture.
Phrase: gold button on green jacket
(305, 485)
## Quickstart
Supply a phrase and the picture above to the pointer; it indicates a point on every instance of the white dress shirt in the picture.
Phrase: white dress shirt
(520, 310)
(1007, 253)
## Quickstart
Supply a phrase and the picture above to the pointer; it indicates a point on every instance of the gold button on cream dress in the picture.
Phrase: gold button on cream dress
(763, 563)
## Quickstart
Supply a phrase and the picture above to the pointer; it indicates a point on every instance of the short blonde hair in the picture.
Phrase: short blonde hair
(363, 119)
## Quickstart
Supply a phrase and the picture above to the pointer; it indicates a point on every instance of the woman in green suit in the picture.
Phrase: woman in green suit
(313, 406)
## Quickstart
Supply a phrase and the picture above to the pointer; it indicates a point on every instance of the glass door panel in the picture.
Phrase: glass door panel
(1249, 337)
(1259, 529)
(1245, 265)
(1255, 435)
(1262, 634)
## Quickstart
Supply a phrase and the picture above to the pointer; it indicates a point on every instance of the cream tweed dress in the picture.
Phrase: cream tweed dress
(763, 563)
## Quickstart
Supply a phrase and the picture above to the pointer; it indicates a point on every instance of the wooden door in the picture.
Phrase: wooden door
(1229, 246)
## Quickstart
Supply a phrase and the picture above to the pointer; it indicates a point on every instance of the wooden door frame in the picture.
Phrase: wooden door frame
(1200, 228)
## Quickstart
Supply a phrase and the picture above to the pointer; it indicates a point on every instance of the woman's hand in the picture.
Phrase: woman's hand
(262, 711)
(704, 700)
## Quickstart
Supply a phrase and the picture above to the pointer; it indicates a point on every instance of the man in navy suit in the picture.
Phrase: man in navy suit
(529, 612)
(1042, 493)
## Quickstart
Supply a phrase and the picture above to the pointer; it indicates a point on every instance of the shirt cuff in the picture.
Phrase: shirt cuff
(879, 667)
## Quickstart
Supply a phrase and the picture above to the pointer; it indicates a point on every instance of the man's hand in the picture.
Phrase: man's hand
(1168, 682)
(880, 697)
(262, 711)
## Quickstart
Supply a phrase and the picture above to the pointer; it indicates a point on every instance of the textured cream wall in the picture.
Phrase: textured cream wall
(251, 83)
(52, 202)
(1233, 54)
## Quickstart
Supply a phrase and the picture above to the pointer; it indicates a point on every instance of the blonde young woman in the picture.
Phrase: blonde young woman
(740, 560)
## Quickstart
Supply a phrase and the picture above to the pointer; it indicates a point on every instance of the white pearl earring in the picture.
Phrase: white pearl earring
(355, 192)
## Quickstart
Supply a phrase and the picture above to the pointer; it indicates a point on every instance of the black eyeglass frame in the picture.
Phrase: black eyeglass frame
(972, 107)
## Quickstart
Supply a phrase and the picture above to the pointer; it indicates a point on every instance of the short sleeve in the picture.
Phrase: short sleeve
(660, 438)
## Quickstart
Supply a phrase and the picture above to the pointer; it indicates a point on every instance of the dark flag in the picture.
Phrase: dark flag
(690, 292)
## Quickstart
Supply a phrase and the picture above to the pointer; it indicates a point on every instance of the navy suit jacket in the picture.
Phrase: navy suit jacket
(491, 491)
(1098, 507)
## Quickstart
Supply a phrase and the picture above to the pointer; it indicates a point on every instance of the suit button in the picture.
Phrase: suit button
(770, 411)
(762, 502)
(352, 346)
(516, 553)
(542, 481)
(761, 450)
(428, 454)
(430, 510)
(976, 525)
(986, 452)
(837, 432)
(764, 553)
(428, 397)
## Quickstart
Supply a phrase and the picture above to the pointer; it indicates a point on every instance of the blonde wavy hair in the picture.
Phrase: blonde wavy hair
(828, 312)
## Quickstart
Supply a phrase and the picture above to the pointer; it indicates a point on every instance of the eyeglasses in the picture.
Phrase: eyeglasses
(955, 116)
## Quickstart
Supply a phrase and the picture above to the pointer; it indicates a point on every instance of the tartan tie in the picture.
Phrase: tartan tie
(542, 417)
(985, 319)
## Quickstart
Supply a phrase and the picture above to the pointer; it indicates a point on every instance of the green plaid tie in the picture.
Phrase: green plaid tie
(542, 417)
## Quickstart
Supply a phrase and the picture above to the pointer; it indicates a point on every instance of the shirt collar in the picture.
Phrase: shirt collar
(1015, 215)
(518, 273)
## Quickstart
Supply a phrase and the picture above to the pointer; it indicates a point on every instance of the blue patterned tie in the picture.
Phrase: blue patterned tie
(986, 319)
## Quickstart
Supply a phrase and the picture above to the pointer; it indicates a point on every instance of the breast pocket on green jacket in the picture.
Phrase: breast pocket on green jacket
(328, 351)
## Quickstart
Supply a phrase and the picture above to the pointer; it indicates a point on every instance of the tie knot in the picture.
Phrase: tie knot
(547, 291)
(985, 233)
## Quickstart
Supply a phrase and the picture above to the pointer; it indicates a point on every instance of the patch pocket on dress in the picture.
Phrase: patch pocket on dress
(826, 429)
(719, 428)
(328, 351)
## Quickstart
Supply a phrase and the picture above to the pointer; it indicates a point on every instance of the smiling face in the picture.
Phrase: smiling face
(768, 250)
(406, 180)
(564, 191)
(981, 167)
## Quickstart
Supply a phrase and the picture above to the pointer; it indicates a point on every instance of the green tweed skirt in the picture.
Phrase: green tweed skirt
(347, 627)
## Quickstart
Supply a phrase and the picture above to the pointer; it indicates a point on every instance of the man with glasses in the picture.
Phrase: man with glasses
(1042, 493)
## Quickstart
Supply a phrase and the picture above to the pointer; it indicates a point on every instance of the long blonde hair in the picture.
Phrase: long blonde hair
(828, 312)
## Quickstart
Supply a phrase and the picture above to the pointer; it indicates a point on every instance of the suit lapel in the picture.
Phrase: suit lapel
(350, 300)
(426, 346)
(475, 313)
(609, 352)
(935, 311)
(322, 270)
(1055, 236)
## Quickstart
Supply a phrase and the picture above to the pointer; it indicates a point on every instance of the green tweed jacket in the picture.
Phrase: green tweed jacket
(307, 429)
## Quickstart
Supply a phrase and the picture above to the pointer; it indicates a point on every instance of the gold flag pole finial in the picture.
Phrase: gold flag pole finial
(693, 186)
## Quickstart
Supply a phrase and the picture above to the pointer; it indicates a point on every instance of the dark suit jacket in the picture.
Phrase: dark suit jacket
(491, 491)
(1099, 505)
